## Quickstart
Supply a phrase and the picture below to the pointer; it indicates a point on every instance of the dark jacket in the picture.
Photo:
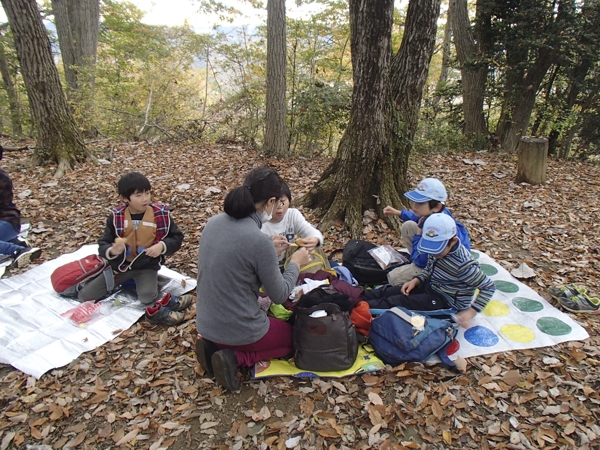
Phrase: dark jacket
(172, 241)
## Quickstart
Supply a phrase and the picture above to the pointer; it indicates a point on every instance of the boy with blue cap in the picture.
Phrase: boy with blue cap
(450, 279)
(429, 197)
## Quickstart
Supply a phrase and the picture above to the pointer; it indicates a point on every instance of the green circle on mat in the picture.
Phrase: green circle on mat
(475, 255)
(506, 286)
(553, 326)
(527, 304)
(488, 269)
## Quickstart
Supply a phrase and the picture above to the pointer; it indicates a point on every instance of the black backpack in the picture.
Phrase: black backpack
(362, 265)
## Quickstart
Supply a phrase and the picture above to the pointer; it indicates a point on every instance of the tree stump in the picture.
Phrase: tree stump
(532, 160)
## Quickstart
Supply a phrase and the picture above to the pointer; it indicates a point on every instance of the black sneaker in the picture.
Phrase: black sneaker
(225, 367)
(162, 315)
(19, 242)
(205, 349)
(26, 255)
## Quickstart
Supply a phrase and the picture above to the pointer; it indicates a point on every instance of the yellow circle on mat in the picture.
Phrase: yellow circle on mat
(518, 333)
(495, 308)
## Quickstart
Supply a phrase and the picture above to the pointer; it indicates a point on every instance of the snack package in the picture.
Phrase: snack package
(386, 256)
(84, 313)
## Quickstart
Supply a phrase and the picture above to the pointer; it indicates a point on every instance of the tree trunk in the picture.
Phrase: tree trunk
(58, 139)
(13, 101)
(473, 71)
(445, 58)
(532, 160)
(347, 186)
(523, 101)
(275, 132)
(410, 67)
(77, 25)
(370, 167)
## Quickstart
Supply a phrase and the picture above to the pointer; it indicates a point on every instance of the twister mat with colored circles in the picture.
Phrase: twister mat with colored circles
(516, 318)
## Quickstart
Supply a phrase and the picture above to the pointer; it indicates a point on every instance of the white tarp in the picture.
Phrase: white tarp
(35, 338)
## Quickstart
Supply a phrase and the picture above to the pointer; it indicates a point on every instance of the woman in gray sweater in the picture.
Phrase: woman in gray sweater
(235, 259)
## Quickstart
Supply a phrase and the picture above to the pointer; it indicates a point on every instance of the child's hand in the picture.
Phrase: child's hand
(301, 257)
(155, 251)
(389, 211)
(117, 248)
(464, 317)
(280, 242)
(410, 285)
(310, 243)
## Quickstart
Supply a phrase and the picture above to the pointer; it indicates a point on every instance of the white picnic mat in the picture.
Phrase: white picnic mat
(516, 318)
(35, 338)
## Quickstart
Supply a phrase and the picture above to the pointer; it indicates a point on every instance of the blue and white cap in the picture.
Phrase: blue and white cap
(437, 231)
(428, 189)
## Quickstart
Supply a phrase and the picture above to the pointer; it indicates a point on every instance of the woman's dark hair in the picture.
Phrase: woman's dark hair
(286, 191)
(132, 182)
(260, 184)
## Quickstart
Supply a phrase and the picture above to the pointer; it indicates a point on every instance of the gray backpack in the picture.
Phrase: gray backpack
(326, 343)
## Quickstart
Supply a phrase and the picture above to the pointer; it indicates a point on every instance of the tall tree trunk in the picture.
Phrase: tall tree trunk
(445, 57)
(473, 71)
(410, 67)
(276, 143)
(370, 168)
(13, 101)
(58, 139)
(77, 25)
(348, 184)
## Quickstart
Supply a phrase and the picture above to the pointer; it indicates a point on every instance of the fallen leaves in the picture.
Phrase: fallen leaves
(144, 389)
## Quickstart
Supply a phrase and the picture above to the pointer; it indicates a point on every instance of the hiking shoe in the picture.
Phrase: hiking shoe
(205, 349)
(166, 316)
(225, 367)
(575, 299)
(26, 255)
(176, 303)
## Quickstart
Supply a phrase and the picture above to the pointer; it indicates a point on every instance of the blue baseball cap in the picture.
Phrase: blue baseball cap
(426, 190)
(437, 231)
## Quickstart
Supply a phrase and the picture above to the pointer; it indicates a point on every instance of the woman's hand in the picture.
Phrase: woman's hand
(410, 285)
(301, 257)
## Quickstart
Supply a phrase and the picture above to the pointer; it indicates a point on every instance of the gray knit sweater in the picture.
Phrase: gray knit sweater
(235, 259)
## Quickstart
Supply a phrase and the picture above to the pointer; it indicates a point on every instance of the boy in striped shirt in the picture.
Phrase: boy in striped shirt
(449, 281)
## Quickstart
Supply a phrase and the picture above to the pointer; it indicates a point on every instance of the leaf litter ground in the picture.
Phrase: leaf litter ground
(144, 389)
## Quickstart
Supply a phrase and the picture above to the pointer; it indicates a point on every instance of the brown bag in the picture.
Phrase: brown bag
(327, 343)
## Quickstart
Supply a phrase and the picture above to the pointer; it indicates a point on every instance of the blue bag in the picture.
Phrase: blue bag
(399, 335)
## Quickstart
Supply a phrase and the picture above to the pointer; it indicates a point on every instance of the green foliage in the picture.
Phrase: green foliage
(145, 75)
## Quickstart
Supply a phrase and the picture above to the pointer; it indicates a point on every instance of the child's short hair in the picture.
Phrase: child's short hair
(286, 191)
(132, 182)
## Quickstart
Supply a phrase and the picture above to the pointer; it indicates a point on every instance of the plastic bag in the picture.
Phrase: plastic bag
(386, 255)
(83, 313)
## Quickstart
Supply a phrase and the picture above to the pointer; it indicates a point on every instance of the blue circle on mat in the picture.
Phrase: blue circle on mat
(481, 336)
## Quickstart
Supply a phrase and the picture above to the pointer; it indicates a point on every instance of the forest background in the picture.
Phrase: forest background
(160, 82)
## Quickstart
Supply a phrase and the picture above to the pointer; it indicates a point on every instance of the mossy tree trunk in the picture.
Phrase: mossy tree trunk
(58, 139)
(370, 168)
